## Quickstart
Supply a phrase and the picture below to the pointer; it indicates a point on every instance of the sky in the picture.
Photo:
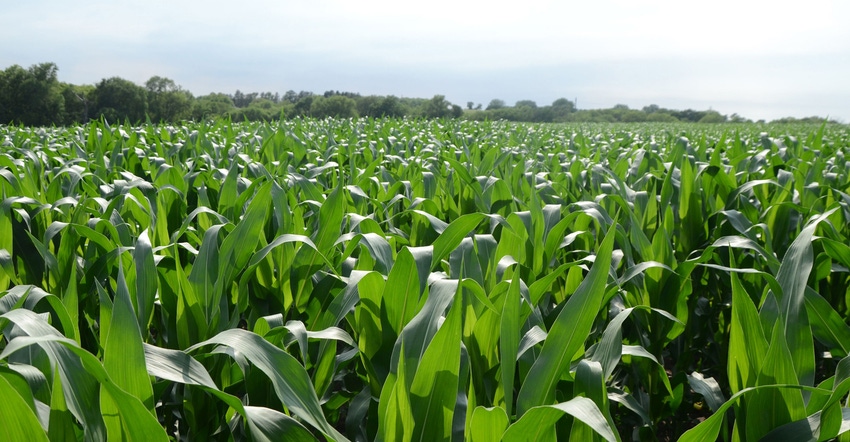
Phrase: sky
(760, 59)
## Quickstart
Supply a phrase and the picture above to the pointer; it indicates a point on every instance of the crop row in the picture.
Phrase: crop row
(429, 280)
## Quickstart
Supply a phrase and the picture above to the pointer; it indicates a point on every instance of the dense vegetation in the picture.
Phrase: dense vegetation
(392, 279)
(36, 97)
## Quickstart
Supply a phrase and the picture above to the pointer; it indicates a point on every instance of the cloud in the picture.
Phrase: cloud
(770, 56)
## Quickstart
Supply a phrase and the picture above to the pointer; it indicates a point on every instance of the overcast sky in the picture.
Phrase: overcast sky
(758, 58)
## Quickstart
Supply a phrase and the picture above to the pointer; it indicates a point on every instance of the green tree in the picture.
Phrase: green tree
(260, 109)
(496, 104)
(688, 115)
(563, 104)
(31, 96)
(561, 109)
(303, 105)
(78, 103)
(376, 106)
(368, 106)
(210, 106)
(712, 116)
(392, 107)
(116, 99)
(526, 103)
(241, 99)
(437, 107)
(735, 118)
(167, 101)
(337, 106)
(290, 96)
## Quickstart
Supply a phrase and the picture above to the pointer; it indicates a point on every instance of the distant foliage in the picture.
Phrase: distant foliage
(117, 99)
(35, 97)
(32, 97)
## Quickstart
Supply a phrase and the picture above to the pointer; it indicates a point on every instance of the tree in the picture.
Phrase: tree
(368, 106)
(78, 103)
(526, 103)
(241, 99)
(260, 109)
(31, 96)
(496, 104)
(337, 106)
(167, 101)
(376, 106)
(688, 115)
(290, 96)
(456, 111)
(564, 103)
(303, 104)
(712, 116)
(273, 97)
(392, 107)
(735, 118)
(437, 107)
(118, 99)
(561, 109)
(212, 105)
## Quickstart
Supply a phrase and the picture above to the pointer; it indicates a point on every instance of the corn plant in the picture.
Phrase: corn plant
(382, 280)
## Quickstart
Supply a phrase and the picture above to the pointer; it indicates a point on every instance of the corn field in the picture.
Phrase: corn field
(396, 280)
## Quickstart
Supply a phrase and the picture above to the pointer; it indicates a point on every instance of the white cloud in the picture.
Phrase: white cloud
(415, 47)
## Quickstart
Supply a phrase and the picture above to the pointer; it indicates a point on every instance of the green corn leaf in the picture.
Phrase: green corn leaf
(146, 280)
(19, 420)
(792, 276)
(809, 429)
(330, 220)
(708, 388)
(434, 387)
(538, 422)
(395, 411)
(568, 333)
(610, 348)
(61, 422)
(79, 387)
(769, 409)
(140, 424)
(488, 424)
(289, 378)
(509, 331)
(589, 382)
(205, 270)
(417, 334)
(229, 193)
(453, 235)
(239, 245)
(17, 382)
(32, 297)
(265, 424)
(709, 429)
(401, 293)
(270, 425)
(827, 325)
(124, 356)
(747, 343)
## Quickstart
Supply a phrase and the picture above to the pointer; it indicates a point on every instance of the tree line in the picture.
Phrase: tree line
(35, 97)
